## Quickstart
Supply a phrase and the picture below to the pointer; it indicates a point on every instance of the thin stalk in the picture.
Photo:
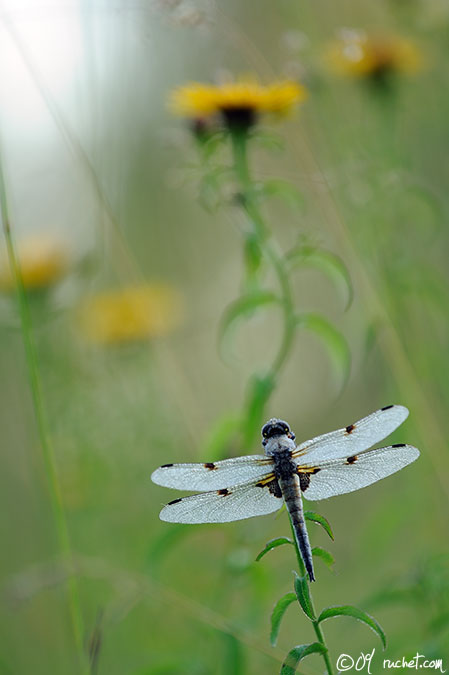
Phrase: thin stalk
(316, 626)
(239, 140)
(41, 422)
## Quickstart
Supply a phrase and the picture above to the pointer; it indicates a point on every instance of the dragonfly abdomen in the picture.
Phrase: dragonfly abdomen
(288, 479)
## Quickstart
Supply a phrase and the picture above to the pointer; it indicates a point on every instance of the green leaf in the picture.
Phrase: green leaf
(298, 653)
(244, 308)
(277, 187)
(325, 556)
(355, 613)
(321, 520)
(303, 595)
(277, 614)
(273, 543)
(334, 341)
(325, 261)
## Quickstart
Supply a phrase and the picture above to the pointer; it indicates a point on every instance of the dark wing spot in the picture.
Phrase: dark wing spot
(274, 488)
(352, 459)
(349, 429)
(387, 407)
(304, 481)
(223, 492)
(315, 470)
(165, 466)
(210, 465)
(398, 445)
(175, 501)
(272, 484)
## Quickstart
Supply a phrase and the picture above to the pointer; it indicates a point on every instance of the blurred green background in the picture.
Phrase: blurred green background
(95, 165)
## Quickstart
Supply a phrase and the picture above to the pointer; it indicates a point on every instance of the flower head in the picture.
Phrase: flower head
(239, 103)
(130, 314)
(360, 55)
(42, 261)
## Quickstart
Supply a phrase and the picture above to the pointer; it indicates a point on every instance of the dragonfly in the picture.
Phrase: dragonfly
(332, 464)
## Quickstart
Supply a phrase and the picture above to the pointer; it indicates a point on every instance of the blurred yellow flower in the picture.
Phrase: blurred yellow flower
(130, 314)
(42, 261)
(238, 102)
(360, 55)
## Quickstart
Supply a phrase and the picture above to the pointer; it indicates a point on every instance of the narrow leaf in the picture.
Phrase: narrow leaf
(273, 543)
(355, 613)
(321, 520)
(325, 556)
(277, 614)
(303, 595)
(298, 653)
(328, 263)
(334, 341)
(243, 308)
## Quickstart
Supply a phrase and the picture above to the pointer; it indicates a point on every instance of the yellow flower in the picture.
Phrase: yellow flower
(239, 102)
(360, 55)
(42, 261)
(130, 314)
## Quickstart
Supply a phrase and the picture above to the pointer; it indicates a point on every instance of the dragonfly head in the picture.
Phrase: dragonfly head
(275, 428)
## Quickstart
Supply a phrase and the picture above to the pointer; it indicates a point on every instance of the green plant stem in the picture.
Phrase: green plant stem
(316, 626)
(239, 140)
(44, 437)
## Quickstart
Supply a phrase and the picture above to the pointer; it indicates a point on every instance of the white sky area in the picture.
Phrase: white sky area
(47, 187)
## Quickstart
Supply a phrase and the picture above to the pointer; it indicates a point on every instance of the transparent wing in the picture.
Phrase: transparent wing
(352, 439)
(213, 475)
(338, 476)
(223, 506)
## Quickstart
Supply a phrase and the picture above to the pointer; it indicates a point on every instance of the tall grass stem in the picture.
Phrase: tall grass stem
(41, 422)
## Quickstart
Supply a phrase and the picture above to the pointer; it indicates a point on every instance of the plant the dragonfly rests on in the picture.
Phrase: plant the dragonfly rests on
(225, 121)
(331, 464)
